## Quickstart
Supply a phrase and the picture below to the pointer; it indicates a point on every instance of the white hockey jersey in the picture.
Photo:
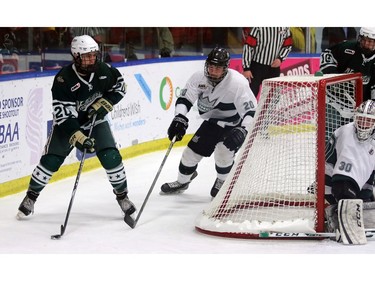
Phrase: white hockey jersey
(226, 104)
(345, 155)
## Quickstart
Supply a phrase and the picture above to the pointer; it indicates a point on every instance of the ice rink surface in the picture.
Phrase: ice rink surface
(164, 245)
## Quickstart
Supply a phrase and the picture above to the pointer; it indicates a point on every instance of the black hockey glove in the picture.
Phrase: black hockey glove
(235, 138)
(178, 127)
(101, 107)
(81, 141)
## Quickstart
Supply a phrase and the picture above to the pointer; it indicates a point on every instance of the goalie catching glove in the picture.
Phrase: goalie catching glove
(81, 141)
(235, 138)
(101, 108)
(178, 127)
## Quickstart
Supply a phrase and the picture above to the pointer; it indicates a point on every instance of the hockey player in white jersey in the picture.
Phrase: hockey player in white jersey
(350, 158)
(227, 105)
(349, 179)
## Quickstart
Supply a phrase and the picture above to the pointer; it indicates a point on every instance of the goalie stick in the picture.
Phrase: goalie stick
(63, 227)
(128, 219)
(350, 222)
(370, 233)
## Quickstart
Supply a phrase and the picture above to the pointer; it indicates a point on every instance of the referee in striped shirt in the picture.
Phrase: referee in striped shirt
(264, 50)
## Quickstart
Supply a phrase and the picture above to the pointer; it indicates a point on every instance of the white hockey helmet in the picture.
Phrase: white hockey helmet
(367, 32)
(366, 40)
(364, 120)
(81, 45)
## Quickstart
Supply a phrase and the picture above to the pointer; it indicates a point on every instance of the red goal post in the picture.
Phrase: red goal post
(277, 183)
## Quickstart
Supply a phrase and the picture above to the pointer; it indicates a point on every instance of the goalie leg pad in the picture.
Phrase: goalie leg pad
(351, 226)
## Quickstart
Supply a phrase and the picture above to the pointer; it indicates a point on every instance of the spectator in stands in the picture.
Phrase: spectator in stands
(50, 38)
(9, 41)
(98, 33)
(299, 40)
(64, 38)
(334, 35)
(165, 42)
(353, 56)
(264, 50)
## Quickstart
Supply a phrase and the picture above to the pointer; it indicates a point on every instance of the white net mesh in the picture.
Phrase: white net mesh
(272, 186)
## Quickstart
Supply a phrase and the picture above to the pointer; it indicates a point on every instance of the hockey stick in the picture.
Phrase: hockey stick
(63, 227)
(268, 234)
(350, 231)
(340, 105)
(128, 219)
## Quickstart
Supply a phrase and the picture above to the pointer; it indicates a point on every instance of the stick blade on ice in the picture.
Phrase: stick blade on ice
(129, 221)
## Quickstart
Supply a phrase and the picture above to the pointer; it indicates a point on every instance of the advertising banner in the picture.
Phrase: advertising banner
(143, 115)
(291, 66)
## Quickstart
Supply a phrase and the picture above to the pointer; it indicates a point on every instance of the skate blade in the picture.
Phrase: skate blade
(172, 193)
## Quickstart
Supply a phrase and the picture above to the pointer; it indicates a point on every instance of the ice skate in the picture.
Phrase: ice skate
(176, 187)
(126, 205)
(332, 222)
(27, 205)
(216, 187)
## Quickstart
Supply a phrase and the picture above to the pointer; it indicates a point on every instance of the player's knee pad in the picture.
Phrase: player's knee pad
(223, 156)
(344, 189)
(190, 158)
(109, 158)
(52, 162)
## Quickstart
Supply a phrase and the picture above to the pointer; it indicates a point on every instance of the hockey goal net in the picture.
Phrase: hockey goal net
(277, 183)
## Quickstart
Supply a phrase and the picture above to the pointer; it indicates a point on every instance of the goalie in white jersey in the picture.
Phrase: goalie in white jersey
(350, 158)
(227, 105)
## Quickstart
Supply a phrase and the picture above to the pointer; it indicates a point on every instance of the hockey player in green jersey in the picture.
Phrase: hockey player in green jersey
(80, 90)
(351, 57)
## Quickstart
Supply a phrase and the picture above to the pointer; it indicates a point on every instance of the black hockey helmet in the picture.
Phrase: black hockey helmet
(218, 57)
